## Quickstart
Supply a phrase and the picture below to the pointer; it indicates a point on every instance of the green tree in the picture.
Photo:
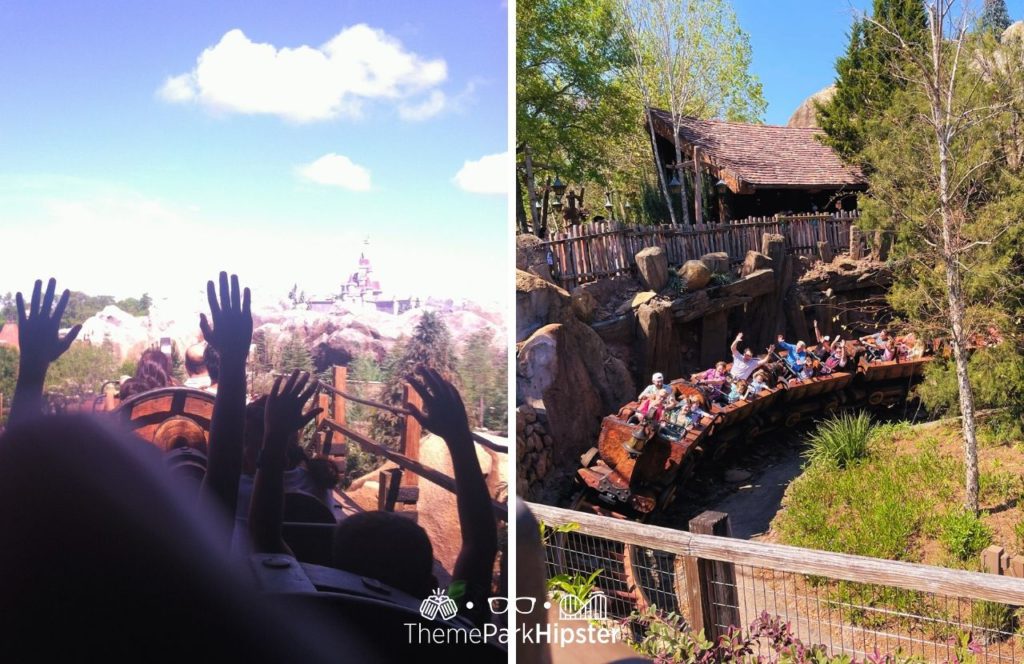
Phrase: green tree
(294, 355)
(8, 308)
(8, 376)
(569, 96)
(82, 370)
(946, 188)
(995, 18)
(136, 306)
(483, 373)
(867, 76)
(430, 345)
(363, 368)
(691, 57)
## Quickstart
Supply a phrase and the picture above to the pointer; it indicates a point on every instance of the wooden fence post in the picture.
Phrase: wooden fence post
(711, 585)
(856, 248)
(338, 411)
(411, 432)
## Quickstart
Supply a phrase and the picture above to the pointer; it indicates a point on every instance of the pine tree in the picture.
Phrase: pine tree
(294, 355)
(865, 79)
(430, 345)
(995, 18)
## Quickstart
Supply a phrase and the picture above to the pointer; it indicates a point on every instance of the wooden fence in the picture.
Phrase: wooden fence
(398, 488)
(850, 604)
(594, 251)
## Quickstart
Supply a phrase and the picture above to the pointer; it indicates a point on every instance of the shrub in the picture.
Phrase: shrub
(1018, 531)
(840, 440)
(995, 620)
(964, 535)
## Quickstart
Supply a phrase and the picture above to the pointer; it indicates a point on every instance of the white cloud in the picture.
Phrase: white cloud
(305, 83)
(430, 107)
(486, 175)
(338, 171)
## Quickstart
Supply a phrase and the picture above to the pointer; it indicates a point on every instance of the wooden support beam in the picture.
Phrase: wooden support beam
(698, 188)
(390, 481)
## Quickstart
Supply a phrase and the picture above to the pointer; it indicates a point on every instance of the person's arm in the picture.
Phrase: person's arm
(790, 348)
(230, 334)
(39, 345)
(283, 417)
(445, 416)
(736, 344)
(817, 332)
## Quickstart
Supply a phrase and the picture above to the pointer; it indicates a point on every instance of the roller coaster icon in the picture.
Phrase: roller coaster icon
(595, 607)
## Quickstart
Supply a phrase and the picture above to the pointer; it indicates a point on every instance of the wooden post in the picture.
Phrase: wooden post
(711, 585)
(390, 482)
(856, 248)
(411, 436)
(825, 252)
(698, 189)
(338, 411)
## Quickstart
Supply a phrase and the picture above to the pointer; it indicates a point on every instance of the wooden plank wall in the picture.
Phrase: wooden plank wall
(589, 252)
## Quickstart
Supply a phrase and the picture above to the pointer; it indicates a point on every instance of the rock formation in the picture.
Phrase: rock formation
(806, 115)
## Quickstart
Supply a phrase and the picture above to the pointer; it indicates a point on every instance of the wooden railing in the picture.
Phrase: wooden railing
(398, 490)
(594, 251)
(846, 601)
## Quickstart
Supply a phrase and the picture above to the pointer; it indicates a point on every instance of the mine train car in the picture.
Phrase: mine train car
(615, 480)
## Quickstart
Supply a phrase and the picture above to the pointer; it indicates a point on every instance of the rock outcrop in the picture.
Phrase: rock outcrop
(538, 303)
(806, 115)
(565, 370)
(652, 264)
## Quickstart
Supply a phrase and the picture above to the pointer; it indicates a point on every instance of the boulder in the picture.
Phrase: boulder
(566, 369)
(806, 115)
(642, 298)
(538, 303)
(652, 264)
(584, 305)
(734, 475)
(717, 262)
(755, 261)
(695, 275)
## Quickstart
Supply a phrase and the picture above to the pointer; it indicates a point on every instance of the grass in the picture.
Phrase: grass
(840, 441)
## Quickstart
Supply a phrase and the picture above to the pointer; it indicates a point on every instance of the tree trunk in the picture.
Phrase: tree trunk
(957, 307)
(520, 209)
(657, 167)
(531, 188)
(681, 174)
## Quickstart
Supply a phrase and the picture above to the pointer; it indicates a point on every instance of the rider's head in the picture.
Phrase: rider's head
(658, 379)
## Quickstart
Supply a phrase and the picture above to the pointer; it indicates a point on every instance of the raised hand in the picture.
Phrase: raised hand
(231, 332)
(39, 329)
(283, 415)
(445, 414)
(780, 338)
(40, 344)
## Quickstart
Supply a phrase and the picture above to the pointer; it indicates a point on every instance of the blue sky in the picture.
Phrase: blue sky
(796, 43)
(145, 145)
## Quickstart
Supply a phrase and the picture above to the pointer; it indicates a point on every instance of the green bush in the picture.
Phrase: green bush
(992, 616)
(1018, 531)
(964, 535)
(839, 441)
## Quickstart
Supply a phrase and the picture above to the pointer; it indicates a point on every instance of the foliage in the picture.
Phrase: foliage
(995, 18)
(430, 345)
(865, 78)
(840, 440)
(578, 587)
(568, 91)
(294, 355)
(997, 377)
(362, 368)
(1018, 533)
(993, 616)
(483, 372)
(874, 508)
(546, 530)
(8, 374)
(136, 306)
(82, 369)
(964, 535)
(665, 637)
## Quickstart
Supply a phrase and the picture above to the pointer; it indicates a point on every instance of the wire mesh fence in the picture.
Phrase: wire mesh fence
(859, 619)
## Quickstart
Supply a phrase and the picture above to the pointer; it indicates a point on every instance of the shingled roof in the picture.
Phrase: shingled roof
(750, 156)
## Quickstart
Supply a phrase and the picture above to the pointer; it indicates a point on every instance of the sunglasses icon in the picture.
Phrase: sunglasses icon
(501, 605)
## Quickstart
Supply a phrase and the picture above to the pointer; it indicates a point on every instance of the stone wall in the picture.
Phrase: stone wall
(534, 452)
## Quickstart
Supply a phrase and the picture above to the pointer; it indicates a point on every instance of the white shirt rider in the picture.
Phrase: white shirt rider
(743, 365)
